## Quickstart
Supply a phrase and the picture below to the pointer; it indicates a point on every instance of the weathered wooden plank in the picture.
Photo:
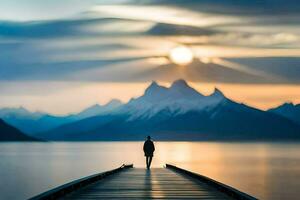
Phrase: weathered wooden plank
(134, 183)
(232, 192)
(157, 183)
(62, 190)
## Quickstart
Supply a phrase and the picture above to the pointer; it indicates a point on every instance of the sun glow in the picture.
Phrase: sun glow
(181, 55)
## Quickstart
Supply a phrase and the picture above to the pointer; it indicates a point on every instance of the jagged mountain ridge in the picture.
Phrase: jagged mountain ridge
(288, 110)
(35, 122)
(179, 113)
(97, 109)
(178, 99)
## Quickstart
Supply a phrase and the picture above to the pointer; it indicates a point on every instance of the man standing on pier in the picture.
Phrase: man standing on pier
(148, 150)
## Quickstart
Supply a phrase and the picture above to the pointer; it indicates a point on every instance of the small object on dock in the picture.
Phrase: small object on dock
(135, 183)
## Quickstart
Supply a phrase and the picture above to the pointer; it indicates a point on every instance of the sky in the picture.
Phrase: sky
(61, 56)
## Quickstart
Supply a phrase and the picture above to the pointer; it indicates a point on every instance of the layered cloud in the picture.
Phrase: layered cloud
(100, 37)
(233, 42)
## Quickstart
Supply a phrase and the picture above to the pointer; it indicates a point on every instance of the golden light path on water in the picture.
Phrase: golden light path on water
(260, 169)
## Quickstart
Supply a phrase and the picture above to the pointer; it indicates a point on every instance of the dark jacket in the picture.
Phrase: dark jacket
(149, 148)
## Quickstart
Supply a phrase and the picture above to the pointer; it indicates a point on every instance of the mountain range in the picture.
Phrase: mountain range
(179, 112)
(36, 122)
(288, 110)
(10, 133)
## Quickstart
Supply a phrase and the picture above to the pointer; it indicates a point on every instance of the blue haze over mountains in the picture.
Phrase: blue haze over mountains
(10, 133)
(175, 113)
(34, 122)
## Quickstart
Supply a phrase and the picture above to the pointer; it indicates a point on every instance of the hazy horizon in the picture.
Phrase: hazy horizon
(124, 94)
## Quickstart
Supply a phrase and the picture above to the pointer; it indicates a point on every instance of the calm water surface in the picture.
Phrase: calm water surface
(264, 170)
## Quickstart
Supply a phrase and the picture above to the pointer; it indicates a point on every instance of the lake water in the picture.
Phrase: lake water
(264, 170)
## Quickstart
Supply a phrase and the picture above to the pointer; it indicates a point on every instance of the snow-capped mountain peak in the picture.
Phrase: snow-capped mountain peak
(180, 84)
(20, 112)
(114, 103)
(97, 109)
(180, 89)
(177, 99)
(154, 87)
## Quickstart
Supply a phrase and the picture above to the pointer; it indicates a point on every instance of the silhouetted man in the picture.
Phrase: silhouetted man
(148, 149)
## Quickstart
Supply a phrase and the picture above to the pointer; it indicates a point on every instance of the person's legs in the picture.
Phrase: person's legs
(149, 162)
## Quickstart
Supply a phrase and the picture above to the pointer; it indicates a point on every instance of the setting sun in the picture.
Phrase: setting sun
(199, 99)
(181, 55)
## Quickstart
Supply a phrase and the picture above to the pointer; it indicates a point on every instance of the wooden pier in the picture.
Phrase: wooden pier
(127, 182)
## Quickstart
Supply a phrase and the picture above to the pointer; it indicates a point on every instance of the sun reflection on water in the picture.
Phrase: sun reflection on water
(260, 169)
